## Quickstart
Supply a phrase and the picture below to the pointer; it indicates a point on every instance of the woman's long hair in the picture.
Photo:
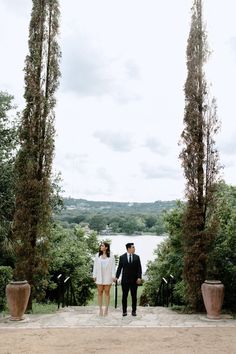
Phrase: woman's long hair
(107, 245)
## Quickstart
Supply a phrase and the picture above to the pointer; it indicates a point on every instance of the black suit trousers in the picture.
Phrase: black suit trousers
(126, 287)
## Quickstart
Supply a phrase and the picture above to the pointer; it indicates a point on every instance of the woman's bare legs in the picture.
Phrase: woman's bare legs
(107, 298)
(100, 295)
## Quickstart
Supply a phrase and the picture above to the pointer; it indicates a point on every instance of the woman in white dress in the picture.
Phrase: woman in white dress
(104, 271)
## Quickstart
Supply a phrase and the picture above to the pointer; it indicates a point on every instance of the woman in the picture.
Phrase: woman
(104, 271)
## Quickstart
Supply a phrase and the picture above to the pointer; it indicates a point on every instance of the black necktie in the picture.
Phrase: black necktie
(130, 259)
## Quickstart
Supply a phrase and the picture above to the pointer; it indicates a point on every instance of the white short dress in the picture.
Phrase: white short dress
(104, 269)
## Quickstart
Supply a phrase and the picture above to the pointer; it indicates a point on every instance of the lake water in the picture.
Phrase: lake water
(144, 245)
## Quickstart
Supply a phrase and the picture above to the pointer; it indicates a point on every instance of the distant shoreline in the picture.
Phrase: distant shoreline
(131, 235)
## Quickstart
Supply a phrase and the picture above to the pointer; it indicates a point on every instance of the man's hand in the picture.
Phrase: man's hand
(139, 281)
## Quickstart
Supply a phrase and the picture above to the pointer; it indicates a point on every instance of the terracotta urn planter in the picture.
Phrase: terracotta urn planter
(213, 295)
(17, 293)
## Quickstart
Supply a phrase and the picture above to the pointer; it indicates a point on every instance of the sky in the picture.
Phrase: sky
(120, 105)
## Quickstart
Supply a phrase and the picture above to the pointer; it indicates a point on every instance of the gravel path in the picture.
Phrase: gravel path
(80, 330)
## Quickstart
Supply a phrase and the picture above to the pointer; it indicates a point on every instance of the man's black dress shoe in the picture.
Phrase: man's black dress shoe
(124, 314)
(134, 313)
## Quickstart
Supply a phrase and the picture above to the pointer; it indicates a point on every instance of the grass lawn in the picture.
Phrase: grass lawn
(119, 296)
(42, 308)
(38, 309)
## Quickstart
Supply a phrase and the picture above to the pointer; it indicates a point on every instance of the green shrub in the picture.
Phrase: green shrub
(221, 262)
(180, 291)
(72, 254)
(222, 258)
(6, 275)
(169, 259)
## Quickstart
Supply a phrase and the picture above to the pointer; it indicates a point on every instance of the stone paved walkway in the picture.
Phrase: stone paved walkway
(147, 317)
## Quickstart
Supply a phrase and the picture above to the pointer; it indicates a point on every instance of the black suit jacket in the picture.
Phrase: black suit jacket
(130, 271)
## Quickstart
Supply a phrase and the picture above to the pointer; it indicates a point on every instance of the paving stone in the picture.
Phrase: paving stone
(87, 316)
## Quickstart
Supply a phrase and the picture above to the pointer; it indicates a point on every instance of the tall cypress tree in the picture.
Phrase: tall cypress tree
(34, 161)
(200, 161)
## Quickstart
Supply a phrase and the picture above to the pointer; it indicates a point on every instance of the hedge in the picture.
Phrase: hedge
(6, 274)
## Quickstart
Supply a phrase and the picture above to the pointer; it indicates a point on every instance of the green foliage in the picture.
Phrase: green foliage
(72, 253)
(169, 258)
(118, 217)
(56, 201)
(6, 274)
(8, 144)
(132, 224)
(81, 205)
(97, 222)
(222, 258)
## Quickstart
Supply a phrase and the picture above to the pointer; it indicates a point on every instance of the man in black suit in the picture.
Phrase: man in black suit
(130, 265)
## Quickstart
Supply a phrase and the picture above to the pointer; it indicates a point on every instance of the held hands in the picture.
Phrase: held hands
(116, 279)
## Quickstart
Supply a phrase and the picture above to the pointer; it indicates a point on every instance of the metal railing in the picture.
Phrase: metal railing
(116, 293)
(165, 291)
(65, 294)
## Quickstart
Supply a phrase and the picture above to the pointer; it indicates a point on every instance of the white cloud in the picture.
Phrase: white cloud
(160, 172)
(132, 69)
(87, 71)
(117, 141)
(228, 147)
(72, 162)
(232, 42)
(156, 146)
(16, 7)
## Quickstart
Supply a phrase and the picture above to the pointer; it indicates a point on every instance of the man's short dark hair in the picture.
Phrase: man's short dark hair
(128, 245)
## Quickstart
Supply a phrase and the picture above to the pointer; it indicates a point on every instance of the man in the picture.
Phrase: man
(130, 265)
